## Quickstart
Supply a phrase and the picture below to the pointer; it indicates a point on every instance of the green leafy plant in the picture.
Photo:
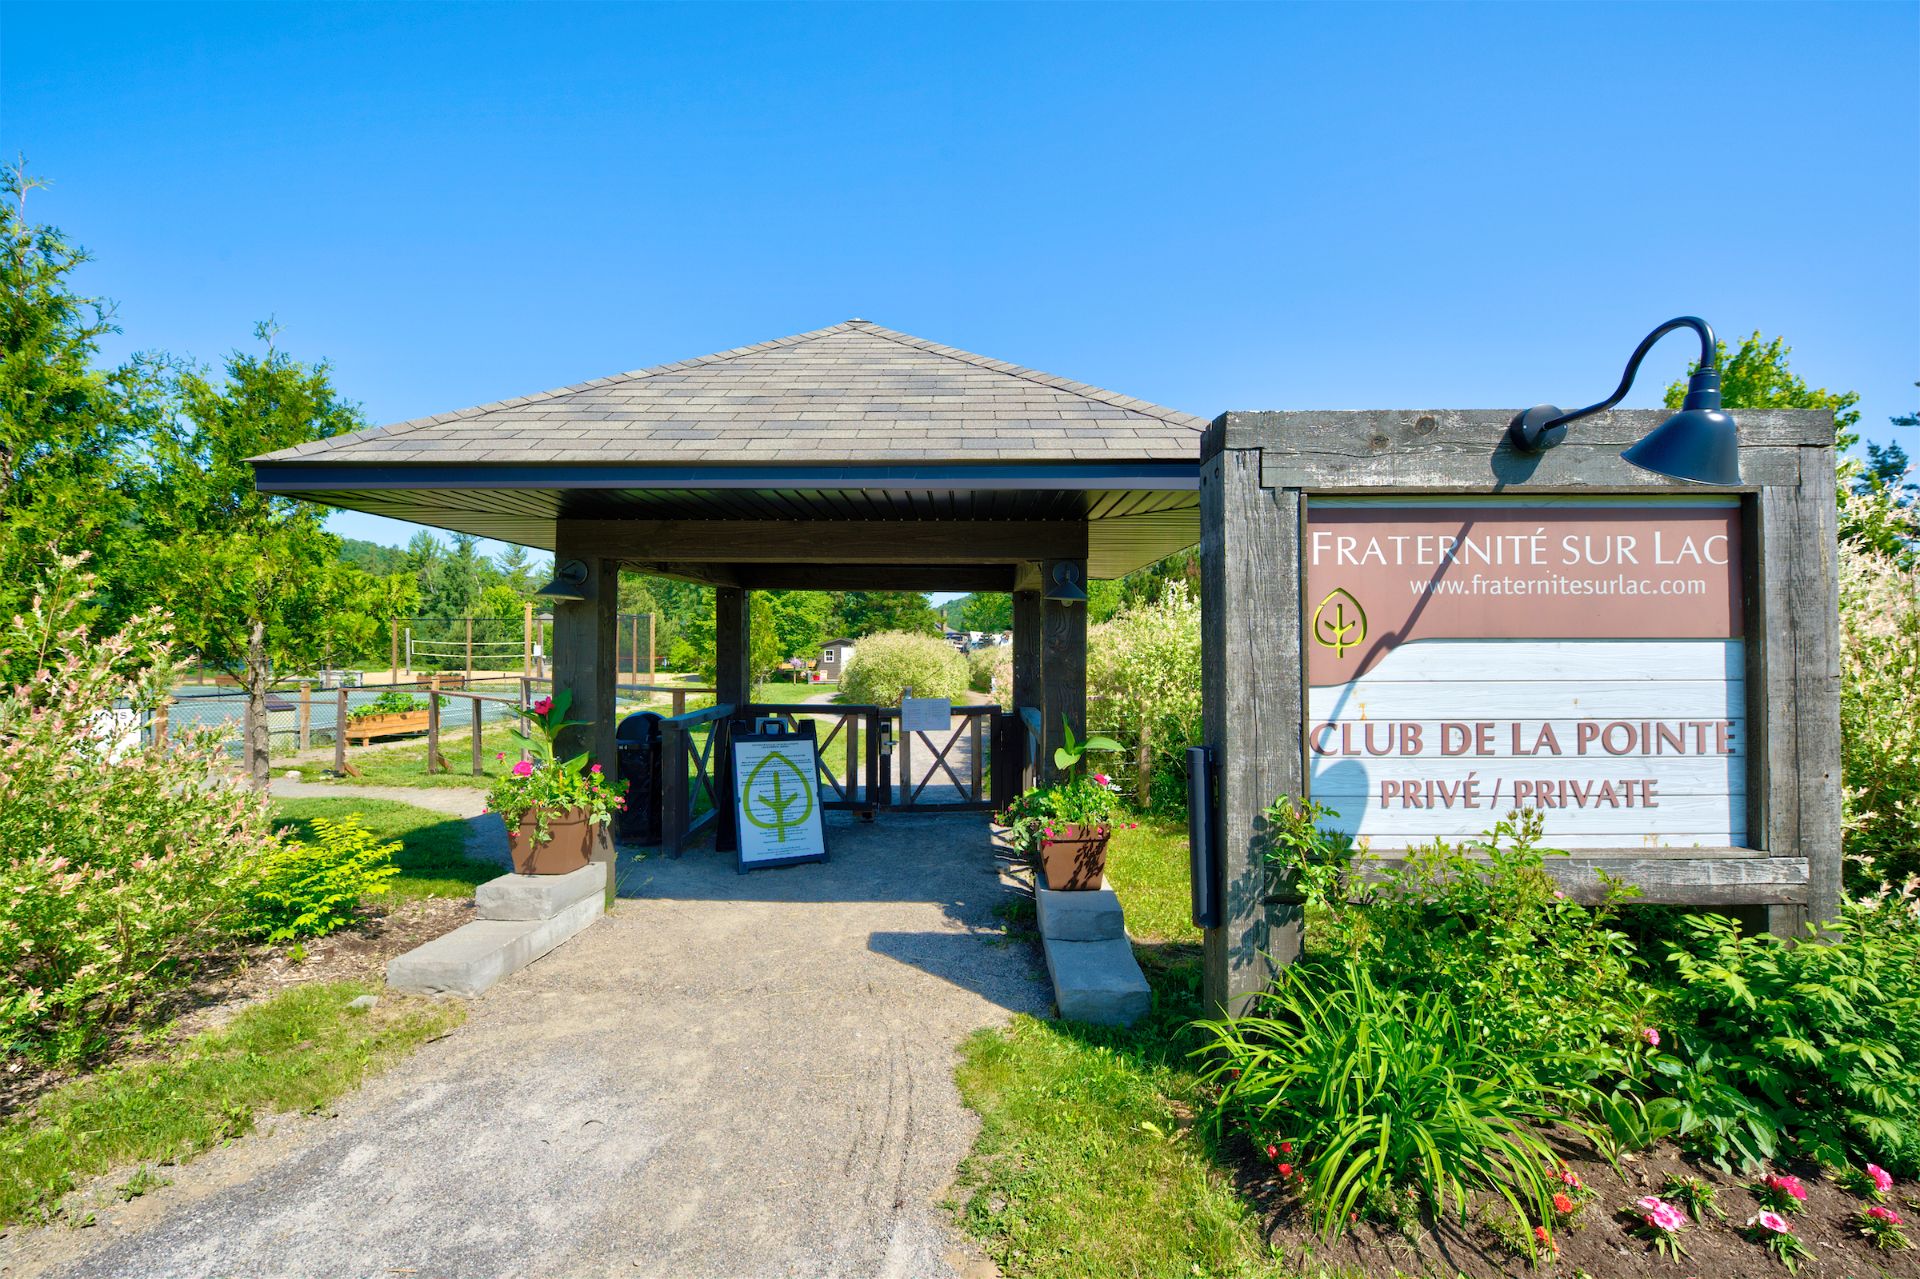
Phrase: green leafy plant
(1814, 1045)
(1033, 815)
(1382, 1088)
(1695, 1194)
(391, 702)
(546, 785)
(1067, 757)
(886, 665)
(310, 889)
(1871, 1182)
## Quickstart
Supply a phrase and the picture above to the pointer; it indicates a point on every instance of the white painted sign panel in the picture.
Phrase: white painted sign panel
(776, 790)
(1578, 656)
(925, 714)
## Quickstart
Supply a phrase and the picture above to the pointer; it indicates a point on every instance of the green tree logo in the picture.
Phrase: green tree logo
(770, 801)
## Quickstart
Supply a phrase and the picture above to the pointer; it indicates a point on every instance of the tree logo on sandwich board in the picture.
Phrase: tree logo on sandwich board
(774, 787)
(776, 796)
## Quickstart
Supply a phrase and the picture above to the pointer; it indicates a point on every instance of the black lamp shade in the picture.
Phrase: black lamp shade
(1698, 444)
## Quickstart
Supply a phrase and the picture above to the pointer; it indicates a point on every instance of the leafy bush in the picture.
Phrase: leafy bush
(1375, 1091)
(1814, 1046)
(1143, 686)
(1480, 923)
(307, 890)
(990, 670)
(886, 664)
(1879, 733)
(119, 865)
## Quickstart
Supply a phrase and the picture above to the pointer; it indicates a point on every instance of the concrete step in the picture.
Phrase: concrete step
(522, 917)
(1088, 915)
(1097, 981)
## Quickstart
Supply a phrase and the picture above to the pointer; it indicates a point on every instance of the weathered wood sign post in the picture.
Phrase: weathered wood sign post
(1423, 630)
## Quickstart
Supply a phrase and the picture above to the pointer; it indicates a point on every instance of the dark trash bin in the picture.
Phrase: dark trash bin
(637, 746)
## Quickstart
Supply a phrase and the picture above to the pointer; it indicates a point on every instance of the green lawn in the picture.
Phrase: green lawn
(1086, 1164)
(433, 857)
(294, 1052)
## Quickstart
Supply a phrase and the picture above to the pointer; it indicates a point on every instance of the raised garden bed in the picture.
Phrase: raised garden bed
(391, 724)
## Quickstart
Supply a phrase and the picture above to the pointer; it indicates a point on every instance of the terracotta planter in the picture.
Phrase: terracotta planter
(1075, 857)
(570, 847)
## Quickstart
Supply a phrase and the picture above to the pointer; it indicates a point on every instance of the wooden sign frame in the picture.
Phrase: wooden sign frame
(746, 758)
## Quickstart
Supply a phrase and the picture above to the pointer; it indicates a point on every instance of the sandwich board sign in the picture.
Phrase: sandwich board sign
(1580, 656)
(776, 797)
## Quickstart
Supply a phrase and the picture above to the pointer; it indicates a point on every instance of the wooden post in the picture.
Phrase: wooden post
(306, 714)
(675, 802)
(1252, 674)
(584, 635)
(732, 681)
(433, 725)
(340, 732)
(393, 649)
(1027, 681)
(474, 702)
(652, 673)
(633, 628)
(679, 696)
(1063, 666)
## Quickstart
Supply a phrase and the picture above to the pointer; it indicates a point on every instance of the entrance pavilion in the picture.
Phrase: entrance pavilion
(849, 458)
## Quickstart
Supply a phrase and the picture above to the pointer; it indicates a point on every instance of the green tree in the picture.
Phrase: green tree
(251, 579)
(452, 581)
(70, 434)
(858, 613)
(800, 620)
(989, 611)
(763, 642)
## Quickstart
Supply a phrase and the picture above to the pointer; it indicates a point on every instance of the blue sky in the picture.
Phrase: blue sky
(1213, 207)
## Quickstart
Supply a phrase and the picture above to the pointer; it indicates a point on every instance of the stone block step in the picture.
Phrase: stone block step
(1097, 981)
(1089, 915)
(474, 956)
(538, 896)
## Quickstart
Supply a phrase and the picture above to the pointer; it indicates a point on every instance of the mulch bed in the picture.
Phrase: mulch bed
(232, 982)
(1601, 1243)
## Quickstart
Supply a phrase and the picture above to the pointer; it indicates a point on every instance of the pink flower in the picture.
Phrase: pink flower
(1662, 1215)
(1882, 1179)
(1786, 1186)
(594, 769)
(1652, 1037)
(523, 769)
(1887, 1215)
(500, 755)
(1772, 1221)
(1559, 896)
(1100, 778)
(542, 706)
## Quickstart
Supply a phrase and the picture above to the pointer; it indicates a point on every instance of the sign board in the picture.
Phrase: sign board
(1581, 656)
(925, 714)
(776, 798)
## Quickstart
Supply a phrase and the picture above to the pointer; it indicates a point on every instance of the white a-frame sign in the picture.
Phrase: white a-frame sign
(776, 798)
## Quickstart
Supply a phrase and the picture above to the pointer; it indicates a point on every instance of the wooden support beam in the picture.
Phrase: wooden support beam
(1253, 671)
(732, 680)
(1026, 648)
(970, 542)
(873, 577)
(704, 574)
(1063, 667)
(584, 652)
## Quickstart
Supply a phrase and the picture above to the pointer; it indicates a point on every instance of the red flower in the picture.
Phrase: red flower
(1286, 1147)
(1272, 1153)
(1286, 1170)
(542, 706)
(1562, 1204)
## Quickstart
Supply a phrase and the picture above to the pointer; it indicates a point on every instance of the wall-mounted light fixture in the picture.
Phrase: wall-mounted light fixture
(569, 582)
(1701, 442)
(1065, 586)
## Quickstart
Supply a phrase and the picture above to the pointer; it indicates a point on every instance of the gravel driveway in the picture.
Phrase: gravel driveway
(729, 1076)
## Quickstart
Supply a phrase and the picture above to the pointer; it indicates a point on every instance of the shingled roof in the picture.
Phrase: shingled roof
(853, 394)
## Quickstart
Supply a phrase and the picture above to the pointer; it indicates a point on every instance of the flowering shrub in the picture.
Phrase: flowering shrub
(1879, 733)
(887, 664)
(307, 890)
(1035, 814)
(546, 785)
(1143, 683)
(120, 867)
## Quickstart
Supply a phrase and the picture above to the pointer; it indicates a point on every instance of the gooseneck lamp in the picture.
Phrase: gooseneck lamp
(1700, 443)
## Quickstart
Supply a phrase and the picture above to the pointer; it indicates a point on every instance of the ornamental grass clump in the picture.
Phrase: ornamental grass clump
(122, 868)
(1384, 1090)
